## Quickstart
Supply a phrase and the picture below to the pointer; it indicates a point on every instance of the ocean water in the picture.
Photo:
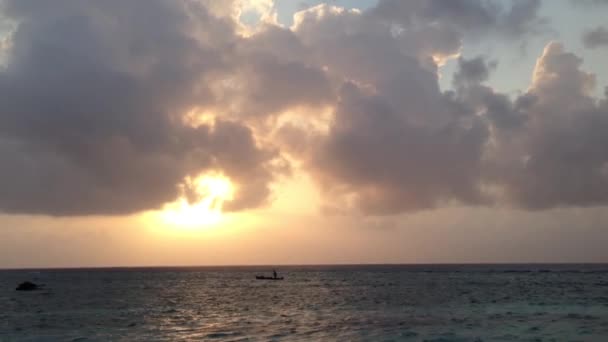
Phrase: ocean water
(331, 303)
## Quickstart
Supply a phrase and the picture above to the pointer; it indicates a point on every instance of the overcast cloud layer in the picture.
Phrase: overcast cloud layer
(110, 107)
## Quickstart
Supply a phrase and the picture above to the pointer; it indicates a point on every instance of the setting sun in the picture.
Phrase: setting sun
(212, 191)
(323, 170)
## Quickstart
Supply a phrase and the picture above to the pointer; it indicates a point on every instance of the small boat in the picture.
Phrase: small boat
(275, 276)
(268, 278)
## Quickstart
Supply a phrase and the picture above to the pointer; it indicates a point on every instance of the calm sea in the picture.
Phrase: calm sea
(346, 303)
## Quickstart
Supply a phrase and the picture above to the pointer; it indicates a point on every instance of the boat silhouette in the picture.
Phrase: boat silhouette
(268, 278)
(274, 276)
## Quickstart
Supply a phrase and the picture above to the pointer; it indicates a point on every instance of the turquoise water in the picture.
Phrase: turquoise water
(355, 303)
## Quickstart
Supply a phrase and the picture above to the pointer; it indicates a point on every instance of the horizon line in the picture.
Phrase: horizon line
(51, 268)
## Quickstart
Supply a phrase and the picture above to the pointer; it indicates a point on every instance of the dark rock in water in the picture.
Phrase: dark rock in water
(28, 286)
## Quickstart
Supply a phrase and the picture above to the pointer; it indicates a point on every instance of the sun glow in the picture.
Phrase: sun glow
(211, 191)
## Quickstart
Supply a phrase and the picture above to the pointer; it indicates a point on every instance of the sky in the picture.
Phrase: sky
(248, 132)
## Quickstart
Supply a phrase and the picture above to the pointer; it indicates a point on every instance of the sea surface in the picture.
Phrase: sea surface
(325, 303)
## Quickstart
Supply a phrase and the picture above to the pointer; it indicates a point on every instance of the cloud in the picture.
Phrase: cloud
(589, 2)
(267, 83)
(382, 162)
(395, 142)
(93, 95)
(470, 16)
(595, 38)
(475, 70)
(398, 144)
(110, 107)
(556, 158)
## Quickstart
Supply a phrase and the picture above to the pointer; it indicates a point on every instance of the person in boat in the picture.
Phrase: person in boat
(274, 274)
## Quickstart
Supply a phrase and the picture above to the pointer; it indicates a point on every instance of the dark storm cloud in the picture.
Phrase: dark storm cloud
(595, 38)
